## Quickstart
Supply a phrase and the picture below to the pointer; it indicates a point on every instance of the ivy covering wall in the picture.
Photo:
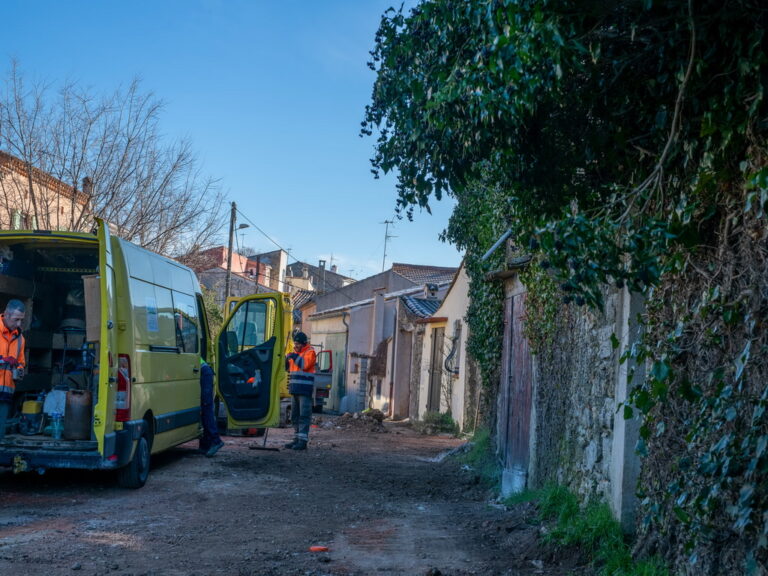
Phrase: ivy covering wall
(624, 144)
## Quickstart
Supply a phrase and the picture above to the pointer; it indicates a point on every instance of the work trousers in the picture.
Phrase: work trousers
(301, 414)
(210, 435)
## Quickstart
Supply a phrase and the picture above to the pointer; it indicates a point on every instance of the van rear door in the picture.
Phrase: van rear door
(102, 330)
(249, 361)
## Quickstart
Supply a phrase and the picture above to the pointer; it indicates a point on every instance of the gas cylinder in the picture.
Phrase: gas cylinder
(77, 416)
(31, 421)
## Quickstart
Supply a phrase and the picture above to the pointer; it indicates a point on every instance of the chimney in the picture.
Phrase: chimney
(305, 272)
(430, 291)
(87, 186)
(334, 268)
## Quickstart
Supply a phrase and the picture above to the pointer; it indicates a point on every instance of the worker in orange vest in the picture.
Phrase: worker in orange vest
(12, 359)
(300, 365)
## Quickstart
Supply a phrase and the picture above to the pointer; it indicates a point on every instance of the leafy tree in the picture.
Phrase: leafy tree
(109, 149)
(609, 124)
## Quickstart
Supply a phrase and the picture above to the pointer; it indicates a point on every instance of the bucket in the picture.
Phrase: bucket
(77, 416)
(31, 421)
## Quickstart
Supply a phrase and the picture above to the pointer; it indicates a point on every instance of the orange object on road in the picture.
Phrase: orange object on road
(318, 548)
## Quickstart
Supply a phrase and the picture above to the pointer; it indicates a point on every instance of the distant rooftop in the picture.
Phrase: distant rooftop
(424, 274)
(422, 307)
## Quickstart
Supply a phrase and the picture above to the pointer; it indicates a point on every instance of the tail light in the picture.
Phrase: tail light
(123, 401)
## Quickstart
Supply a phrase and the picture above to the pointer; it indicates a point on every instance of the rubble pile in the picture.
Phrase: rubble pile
(370, 420)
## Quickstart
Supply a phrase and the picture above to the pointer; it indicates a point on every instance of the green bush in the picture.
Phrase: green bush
(437, 423)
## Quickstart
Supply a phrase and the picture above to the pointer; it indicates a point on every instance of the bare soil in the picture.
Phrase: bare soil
(381, 498)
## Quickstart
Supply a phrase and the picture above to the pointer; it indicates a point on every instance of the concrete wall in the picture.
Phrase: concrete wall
(331, 332)
(358, 347)
(362, 290)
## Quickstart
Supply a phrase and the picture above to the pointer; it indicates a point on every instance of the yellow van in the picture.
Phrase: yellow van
(114, 336)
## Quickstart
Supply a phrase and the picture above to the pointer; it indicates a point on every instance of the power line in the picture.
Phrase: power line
(285, 282)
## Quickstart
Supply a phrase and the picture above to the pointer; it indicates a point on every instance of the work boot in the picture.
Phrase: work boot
(291, 444)
(213, 449)
(300, 445)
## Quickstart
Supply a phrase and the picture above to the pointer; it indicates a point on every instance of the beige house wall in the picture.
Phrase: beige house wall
(453, 310)
(51, 204)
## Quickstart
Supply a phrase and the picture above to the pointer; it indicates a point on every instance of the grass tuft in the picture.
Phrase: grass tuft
(482, 459)
(594, 530)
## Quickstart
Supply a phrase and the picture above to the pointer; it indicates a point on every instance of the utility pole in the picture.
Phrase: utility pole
(232, 218)
(387, 236)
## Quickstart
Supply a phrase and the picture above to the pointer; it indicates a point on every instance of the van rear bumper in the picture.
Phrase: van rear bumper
(23, 453)
(23, 460)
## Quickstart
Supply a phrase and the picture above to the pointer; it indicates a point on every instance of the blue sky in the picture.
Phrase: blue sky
(271, 95)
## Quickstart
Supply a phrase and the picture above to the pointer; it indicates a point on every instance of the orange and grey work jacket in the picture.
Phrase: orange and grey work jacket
(301, 371)
(11, 356)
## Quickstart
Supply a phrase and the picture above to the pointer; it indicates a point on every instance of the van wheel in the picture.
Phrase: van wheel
(135, 474)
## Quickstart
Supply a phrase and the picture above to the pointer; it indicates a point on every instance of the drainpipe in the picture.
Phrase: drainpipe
(498, 243)
(343, 387)
(393, 365)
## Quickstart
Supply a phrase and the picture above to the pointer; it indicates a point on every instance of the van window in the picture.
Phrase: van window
(248, 327)
(153, 314)
(187, 322)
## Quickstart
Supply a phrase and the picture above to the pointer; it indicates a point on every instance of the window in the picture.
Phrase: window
(153, 314)
(187, 322)
(251, 325)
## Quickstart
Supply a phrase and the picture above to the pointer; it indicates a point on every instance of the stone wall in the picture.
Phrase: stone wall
(574, 402)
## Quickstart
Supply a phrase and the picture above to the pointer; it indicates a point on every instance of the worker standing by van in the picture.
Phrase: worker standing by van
(300, 365)
(11, 356)
(210, 442)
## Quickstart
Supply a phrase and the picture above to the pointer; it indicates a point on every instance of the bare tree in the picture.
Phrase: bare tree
(105, 157)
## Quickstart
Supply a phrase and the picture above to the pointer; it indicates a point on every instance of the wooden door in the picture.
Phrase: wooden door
(435, 370)
(516, 397)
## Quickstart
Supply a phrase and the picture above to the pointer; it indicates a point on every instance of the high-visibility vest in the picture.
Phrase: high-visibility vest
(301, 371)
(11, 356)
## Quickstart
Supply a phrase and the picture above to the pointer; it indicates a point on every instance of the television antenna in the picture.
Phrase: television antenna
(387, 236)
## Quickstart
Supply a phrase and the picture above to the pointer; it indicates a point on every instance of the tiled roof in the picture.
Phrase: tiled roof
(424, 274)
(301, 297)
(422, 307)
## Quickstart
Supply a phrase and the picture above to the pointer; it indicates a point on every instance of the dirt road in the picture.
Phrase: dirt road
(381, 500)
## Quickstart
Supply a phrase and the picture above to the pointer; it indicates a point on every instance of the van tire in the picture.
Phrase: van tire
(135, 474)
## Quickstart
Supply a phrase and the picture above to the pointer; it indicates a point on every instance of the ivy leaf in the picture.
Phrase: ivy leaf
(682, 515)
(660, 370)
(741, 361)
(614, 341)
